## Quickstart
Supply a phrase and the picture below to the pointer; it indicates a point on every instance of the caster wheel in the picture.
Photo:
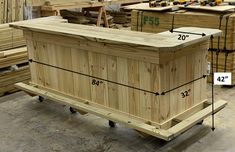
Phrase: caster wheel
(41, 99)
(200, 123)
(112, 124)
(72, 110)
(162, 142)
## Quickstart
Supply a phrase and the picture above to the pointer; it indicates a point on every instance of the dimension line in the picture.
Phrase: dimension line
(172, 31)
(163, 93)
(94, 77)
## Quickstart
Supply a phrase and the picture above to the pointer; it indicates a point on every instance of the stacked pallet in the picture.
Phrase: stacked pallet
(11, 10)
(155, 22)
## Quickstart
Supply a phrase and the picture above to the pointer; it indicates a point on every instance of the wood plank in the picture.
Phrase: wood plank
(167, 40)
(196, 118)
(221, 8)
(78, 3)
(145, 7)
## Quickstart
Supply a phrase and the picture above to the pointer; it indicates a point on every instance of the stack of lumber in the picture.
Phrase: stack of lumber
(155, 22)
(121, 17)
(11, 10)
(10, 37)
(13, 59)
(53, 7)
(13, 69)
(72, 2)
(81, 18)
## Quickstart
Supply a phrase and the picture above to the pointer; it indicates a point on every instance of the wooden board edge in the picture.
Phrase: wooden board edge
(2, 54)
(196, 118)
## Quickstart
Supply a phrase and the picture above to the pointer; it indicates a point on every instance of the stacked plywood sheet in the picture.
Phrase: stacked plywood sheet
(11, 10)
(155, 22)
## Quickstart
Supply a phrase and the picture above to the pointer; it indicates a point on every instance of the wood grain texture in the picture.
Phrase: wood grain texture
(77, 3)
(88, 63)
(10, 37)
(11, 10)
(145, 6)
(154, 22)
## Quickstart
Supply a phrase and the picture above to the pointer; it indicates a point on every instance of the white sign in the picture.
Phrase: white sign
(222, 78)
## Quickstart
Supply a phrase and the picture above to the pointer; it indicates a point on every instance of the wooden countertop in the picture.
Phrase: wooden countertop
(162, 41)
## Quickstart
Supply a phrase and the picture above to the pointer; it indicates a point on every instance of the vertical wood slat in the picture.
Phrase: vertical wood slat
(11, 10)
(169, 73)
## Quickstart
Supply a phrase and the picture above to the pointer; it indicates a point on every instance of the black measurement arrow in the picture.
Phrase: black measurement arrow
(94, 77)
(172, 31)
(121, 84)
(212, 87)
(163, 93)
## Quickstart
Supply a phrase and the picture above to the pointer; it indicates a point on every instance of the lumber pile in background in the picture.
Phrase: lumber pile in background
(69, 2)
(116, 19)
(155, 22)
(10, 37)
(81, 18)
(11, 10)
(13, 68)
(121, 17)
(13, 59)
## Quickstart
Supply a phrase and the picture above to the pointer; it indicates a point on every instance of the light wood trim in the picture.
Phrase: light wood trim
(196, 118)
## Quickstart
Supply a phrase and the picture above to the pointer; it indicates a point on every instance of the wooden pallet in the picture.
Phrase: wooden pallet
(133, 76)
(155, 22)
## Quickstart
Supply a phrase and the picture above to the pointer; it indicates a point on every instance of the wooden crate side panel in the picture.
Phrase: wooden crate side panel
(125, 76)
(98, 68)
(124, 71)
(177, 72)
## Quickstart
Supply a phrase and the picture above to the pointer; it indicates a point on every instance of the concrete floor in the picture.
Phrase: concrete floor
(29, 126)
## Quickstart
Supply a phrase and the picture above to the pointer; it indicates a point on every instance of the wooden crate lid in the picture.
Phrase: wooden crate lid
(161, 41)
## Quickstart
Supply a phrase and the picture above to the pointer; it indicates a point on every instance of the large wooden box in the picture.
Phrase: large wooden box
(155, 22)
(125, 76)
